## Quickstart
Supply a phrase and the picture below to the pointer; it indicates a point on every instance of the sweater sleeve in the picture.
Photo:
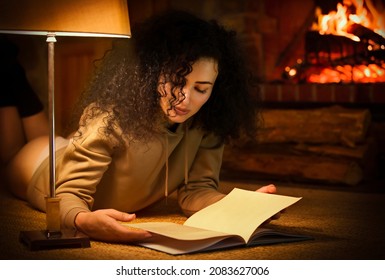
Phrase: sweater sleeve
(203, 180)
(84, 162)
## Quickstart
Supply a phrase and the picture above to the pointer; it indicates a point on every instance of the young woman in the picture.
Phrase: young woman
(154, 120)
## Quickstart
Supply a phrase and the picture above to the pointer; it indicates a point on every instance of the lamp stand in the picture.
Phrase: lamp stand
(53, 237)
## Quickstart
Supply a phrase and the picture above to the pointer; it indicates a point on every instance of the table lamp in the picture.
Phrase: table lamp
(52, 18)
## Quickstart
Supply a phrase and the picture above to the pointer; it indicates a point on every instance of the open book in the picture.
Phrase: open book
(232, 221)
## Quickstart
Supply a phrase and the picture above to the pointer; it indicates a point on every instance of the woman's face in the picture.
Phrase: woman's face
(198, 88)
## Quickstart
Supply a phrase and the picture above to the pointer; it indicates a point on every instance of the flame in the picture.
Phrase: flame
(372, 18)
(338, 22)
(347, 74)
(365, 13)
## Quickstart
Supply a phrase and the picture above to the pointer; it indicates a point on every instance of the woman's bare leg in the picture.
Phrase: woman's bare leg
(23, 165)
(35, 126)
(22, 120)
(22, 141)
(12, 134)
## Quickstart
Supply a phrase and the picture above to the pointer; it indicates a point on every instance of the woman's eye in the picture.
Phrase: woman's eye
(201, 90)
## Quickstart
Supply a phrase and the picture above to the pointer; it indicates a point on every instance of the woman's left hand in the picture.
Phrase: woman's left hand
(270, 189)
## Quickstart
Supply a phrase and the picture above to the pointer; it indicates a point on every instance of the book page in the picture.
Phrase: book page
(241, 212)
(177, 231)
(179, 239)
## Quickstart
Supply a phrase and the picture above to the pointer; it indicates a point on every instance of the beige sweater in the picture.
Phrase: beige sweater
(93, 174)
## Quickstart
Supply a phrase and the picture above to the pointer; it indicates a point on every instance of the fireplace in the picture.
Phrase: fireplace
(296, 67)
(343, 61)
(332, 69)
(346, 45)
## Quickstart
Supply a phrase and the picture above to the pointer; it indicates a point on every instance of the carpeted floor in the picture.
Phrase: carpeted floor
(347, 225)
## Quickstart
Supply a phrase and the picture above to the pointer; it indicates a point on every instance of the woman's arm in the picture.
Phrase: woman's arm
(83, 165)
(203, 177)
(80, 170)
(202, 187)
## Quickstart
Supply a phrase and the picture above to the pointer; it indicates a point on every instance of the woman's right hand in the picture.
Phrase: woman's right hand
(104, 225)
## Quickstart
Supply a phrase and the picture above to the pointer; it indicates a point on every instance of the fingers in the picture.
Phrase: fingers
(106, 226)
(118, 215)
(127, 234)
(268, 189)
(124, 233)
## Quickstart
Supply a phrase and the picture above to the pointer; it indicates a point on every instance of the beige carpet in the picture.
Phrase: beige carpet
(345, 225)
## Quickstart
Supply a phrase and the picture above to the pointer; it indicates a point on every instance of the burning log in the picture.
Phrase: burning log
(338, 59)
(366, 34)
(345, 37)
(327, 49)
(370, 73)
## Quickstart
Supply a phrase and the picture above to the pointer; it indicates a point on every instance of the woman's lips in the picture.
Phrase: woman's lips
(181, 112)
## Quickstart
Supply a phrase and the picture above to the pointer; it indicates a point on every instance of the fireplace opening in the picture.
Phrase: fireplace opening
(324, 112)
(346, 45)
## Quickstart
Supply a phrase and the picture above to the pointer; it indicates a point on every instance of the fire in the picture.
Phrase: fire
(348, 13)
(352, 19)
(371, 73)
(336, 23)
(372, 18)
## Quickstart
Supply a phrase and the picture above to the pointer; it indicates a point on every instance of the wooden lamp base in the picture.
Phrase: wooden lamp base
(45, 240)
(53, 237)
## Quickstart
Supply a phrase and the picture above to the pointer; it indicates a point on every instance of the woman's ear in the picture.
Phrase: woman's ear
(162, 88)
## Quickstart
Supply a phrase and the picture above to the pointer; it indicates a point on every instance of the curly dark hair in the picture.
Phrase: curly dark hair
(125, 86)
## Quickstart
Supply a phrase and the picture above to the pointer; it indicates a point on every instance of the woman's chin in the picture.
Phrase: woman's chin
(178, 118)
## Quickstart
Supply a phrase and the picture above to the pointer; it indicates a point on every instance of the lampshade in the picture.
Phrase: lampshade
(88, 18)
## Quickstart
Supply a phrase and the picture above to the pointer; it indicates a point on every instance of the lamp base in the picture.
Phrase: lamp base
(45, 240)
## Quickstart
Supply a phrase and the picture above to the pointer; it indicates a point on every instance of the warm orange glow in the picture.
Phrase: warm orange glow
(337, 22)
(372, 17)
(347, 74)
(292, 72)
